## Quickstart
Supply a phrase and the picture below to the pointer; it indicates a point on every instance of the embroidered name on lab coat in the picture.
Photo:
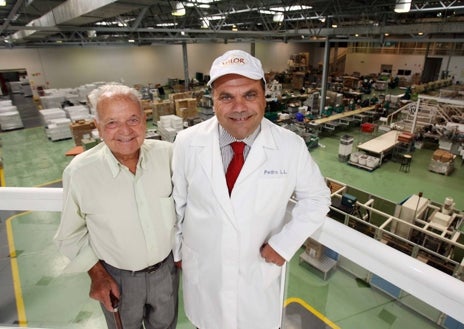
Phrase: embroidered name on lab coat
(275, 172)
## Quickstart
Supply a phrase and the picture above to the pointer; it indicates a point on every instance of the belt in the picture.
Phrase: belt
(149, 269)
(153, 268)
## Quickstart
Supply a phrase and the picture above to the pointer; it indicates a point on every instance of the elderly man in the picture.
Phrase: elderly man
(233, 176)
(118, 215)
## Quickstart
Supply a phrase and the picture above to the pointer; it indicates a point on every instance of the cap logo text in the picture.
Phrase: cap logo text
(233, 60)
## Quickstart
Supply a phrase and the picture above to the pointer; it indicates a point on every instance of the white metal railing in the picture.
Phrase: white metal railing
(432, 286)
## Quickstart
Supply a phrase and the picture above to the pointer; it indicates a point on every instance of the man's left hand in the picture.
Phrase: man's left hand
(271, 256)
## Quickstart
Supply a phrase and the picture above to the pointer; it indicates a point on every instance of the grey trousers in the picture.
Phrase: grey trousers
(147, 298)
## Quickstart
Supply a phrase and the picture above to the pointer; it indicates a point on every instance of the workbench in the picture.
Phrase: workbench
(342, 115)
(381, 145)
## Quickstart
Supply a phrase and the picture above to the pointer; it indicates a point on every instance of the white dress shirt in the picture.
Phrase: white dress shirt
(110, 214)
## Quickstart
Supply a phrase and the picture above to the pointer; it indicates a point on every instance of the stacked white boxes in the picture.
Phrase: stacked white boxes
(5, 102)
(77, 112)
(168, 126)
(9, 117)
(52, 101)
(84, 90)
(50, 114)
(73, 97)
(59, 129)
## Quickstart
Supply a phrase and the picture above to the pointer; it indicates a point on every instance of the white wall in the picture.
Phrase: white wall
(72, 67)
(369, 63)
(455, 67)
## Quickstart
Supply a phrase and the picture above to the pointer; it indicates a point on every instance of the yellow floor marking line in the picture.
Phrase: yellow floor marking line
(49, 183)
(22, 322)
(2, 176)
(312, 310)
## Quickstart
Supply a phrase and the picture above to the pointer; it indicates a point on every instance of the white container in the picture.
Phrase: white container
(372, 162)
(354, 157)
(362, 160)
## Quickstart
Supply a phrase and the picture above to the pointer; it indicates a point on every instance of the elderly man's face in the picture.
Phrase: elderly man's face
(239, 104)
(121, 124)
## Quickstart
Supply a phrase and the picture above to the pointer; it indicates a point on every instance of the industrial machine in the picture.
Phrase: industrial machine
(426, 230)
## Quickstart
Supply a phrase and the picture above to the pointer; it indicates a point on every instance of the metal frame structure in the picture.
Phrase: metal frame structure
(47, 23)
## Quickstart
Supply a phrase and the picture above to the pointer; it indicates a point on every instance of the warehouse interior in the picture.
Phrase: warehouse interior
(373, 87)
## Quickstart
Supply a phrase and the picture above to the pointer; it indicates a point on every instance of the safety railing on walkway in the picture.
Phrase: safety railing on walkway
(426, 283)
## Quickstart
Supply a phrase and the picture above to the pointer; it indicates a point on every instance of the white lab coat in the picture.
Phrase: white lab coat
(226, 282)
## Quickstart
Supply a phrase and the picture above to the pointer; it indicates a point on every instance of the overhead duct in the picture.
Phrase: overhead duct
(78, 12)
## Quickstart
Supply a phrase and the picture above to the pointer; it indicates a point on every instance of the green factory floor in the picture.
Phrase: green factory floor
(33, 291)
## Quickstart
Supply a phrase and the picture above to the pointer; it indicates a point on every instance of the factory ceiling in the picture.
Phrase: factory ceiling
(60, 23)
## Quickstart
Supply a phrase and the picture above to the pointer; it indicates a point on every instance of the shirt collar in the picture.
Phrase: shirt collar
(225, 138)
(115, 165)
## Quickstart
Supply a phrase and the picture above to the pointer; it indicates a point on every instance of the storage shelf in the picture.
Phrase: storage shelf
(323, 264)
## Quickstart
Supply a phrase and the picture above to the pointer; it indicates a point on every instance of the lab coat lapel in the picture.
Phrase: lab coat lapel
(259, 152)
(211, 163)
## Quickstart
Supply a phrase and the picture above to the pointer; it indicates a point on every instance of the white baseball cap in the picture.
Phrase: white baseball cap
(236, 62)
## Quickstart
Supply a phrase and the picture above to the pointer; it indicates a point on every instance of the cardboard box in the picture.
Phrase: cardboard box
(405, 137)
(80, 128)
(314, 248)
(442, 156)
(186, 108)
(447, 156)
(437, 155)
(162, 108)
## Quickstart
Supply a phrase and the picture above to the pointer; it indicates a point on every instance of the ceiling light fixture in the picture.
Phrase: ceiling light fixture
(179, 11)
(2, 3)
(278, 17)
(402, 6)
(291, 8)
(204, 23)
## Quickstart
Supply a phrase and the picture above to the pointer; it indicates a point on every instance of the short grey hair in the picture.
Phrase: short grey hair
(113, 89)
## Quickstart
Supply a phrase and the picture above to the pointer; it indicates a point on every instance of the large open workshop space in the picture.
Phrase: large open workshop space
(375, 89)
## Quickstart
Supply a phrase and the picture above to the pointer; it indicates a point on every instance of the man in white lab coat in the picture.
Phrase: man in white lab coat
(231, 245)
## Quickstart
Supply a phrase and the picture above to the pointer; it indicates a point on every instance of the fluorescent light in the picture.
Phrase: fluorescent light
(267, 12)
(204, 23)
(402, 6)
(278, 17)
(2, 3)
(201, 5)
(166, 24)
(179, 11)
(292, 8)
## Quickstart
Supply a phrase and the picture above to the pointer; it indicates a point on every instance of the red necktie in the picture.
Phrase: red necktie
(235, 165)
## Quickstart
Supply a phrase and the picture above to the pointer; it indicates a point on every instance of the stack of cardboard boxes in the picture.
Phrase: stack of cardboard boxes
(80, 128)
(442, 162)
